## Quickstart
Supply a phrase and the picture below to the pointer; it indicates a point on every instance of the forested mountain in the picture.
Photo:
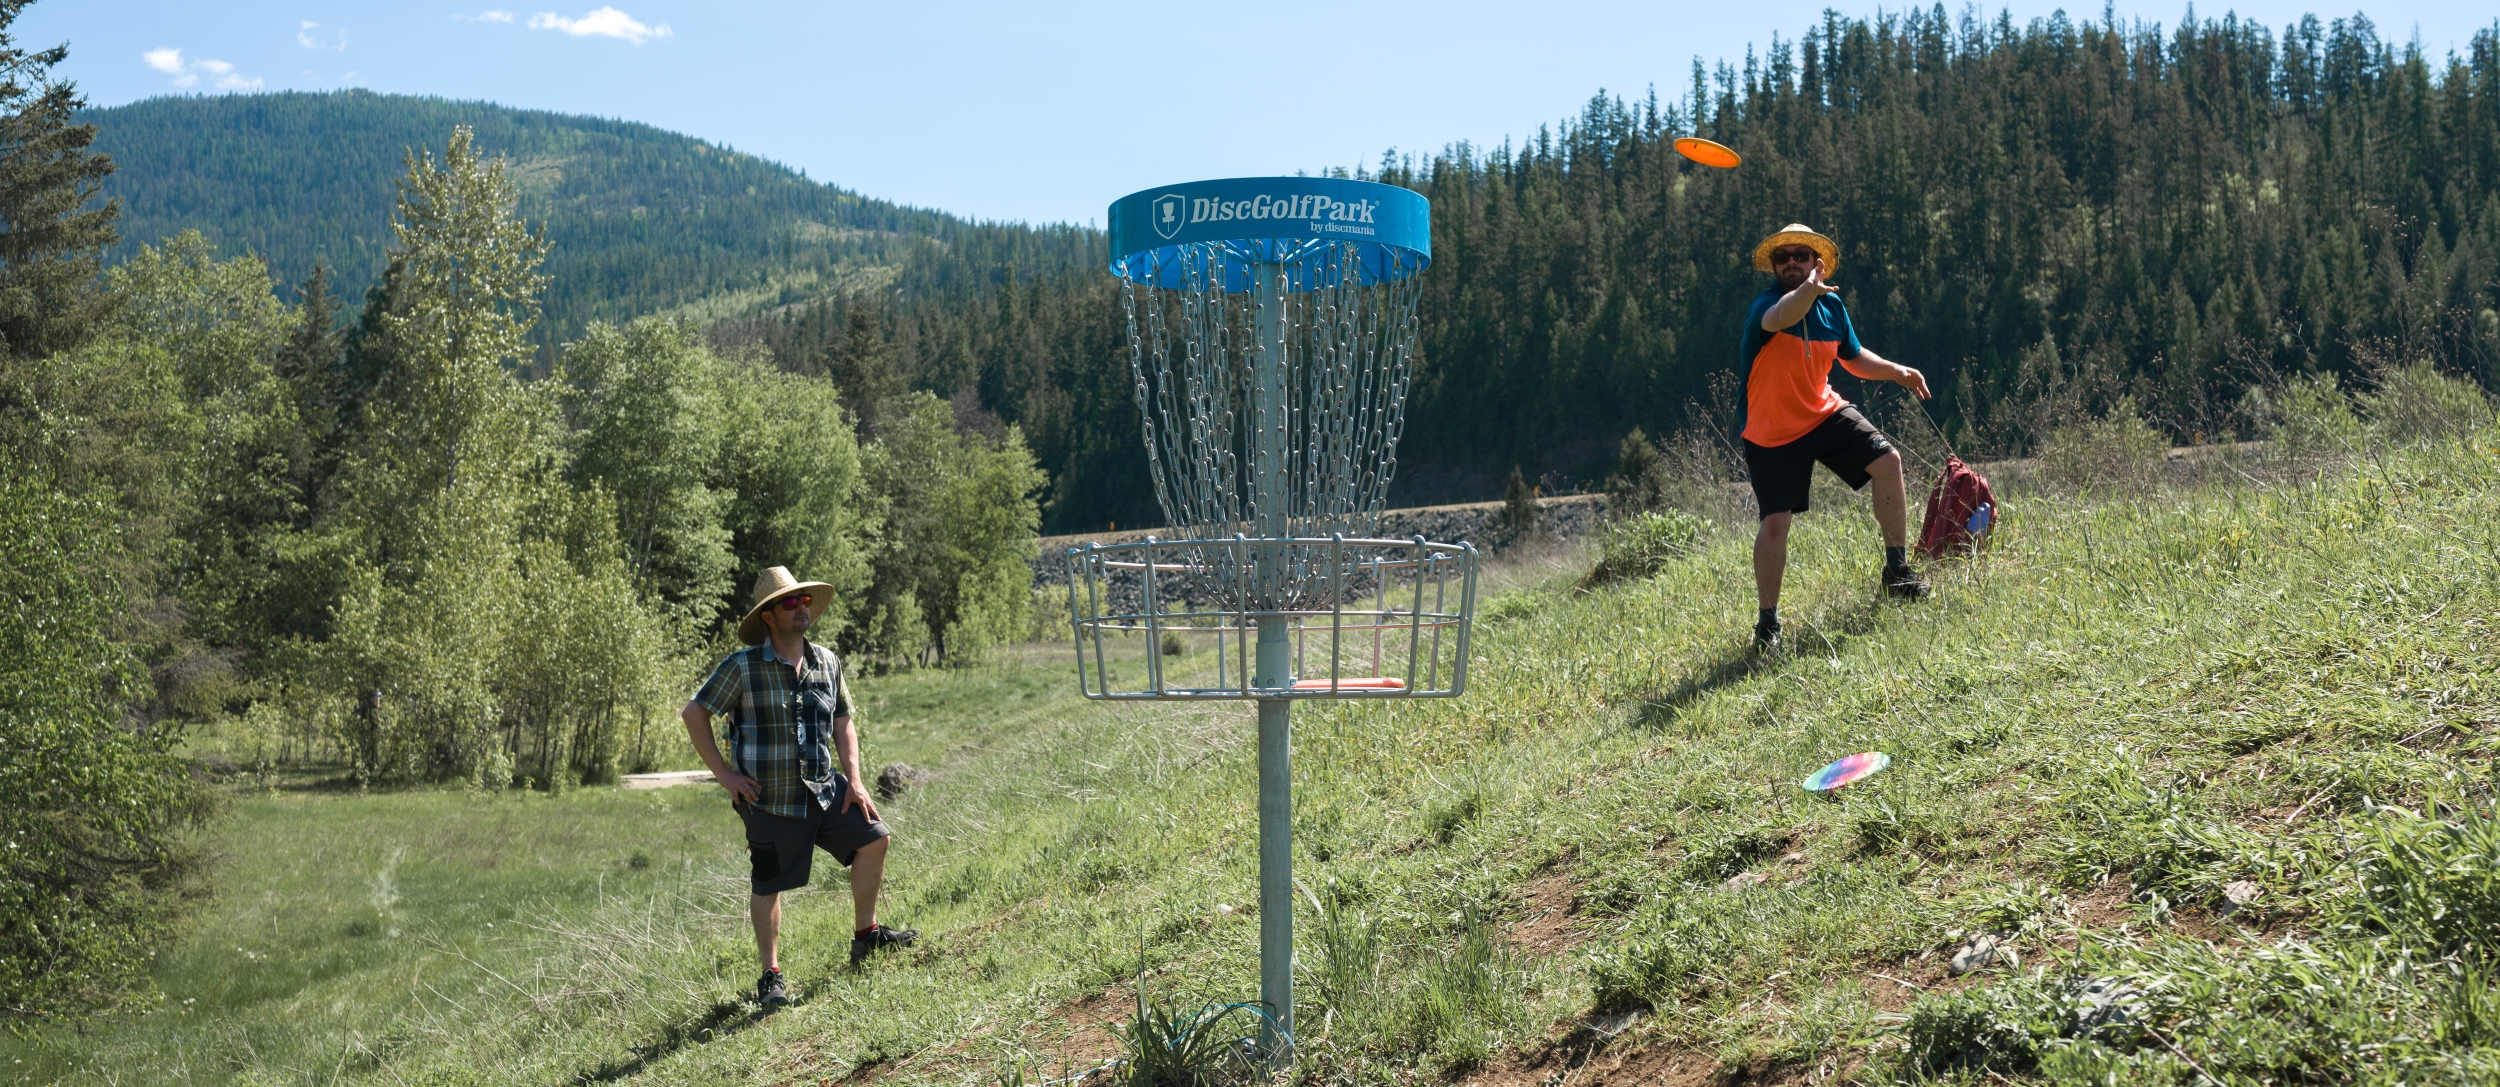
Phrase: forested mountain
(2045, 217)
(640, 220)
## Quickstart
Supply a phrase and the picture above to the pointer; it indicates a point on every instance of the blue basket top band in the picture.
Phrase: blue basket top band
(1166, 236)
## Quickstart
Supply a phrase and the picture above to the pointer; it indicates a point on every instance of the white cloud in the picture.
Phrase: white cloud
(604, 22)
(486, 17)
(304, 37)
(187, 73)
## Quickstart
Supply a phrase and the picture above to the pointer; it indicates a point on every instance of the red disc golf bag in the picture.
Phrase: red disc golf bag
(1960, 512)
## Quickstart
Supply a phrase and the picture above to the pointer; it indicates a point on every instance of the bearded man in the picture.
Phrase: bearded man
(1795, 330)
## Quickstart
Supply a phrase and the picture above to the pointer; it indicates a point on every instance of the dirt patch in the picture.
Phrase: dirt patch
(1630, 1064)
(1078, 1035)
(1549, 926)
(2107, 907)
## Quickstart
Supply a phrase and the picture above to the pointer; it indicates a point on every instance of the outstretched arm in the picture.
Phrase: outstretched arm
(1874, 367)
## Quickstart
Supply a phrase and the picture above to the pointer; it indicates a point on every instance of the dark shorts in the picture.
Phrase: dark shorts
(1783, 475)
(781, 849)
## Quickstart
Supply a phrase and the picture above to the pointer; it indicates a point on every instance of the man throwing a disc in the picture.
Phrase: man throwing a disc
(1795, 330)
(789, 712)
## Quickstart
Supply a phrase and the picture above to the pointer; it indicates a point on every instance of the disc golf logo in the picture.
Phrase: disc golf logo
(1171, 212)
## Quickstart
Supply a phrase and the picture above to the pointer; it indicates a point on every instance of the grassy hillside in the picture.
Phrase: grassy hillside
(642, 220)
(2213, 758)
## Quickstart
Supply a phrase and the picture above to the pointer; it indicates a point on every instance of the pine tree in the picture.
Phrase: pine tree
(52, 241)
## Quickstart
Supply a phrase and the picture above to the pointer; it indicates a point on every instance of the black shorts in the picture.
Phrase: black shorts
(781, 849)
(1783, 475)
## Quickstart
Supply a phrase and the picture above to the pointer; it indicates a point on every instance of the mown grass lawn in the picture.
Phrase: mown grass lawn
(2212, 760)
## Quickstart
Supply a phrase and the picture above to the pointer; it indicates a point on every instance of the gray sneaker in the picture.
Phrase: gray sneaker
(770, 992)
(879, 939)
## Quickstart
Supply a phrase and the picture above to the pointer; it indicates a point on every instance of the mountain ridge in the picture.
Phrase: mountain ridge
(641, 219)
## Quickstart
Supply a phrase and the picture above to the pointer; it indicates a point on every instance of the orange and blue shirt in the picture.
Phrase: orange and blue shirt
(1788, 379)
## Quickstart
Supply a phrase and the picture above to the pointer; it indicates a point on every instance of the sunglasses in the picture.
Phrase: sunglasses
(1791, 256)
(795, 602)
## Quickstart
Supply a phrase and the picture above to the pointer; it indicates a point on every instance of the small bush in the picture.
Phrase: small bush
(2314, 417)
(1173, 644)
(1638, 547)
(1641, 482)
(1519, 510)
(2117, 449)
(2417, 403)
(1164, 1046)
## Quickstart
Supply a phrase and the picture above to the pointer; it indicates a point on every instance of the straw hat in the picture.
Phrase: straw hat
(1797, 234)
(771, 585)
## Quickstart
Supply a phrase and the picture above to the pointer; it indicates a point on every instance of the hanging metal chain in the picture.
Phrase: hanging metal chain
(1346, 340)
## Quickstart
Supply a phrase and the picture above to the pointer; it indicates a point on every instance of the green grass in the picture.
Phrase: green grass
(2137, 701)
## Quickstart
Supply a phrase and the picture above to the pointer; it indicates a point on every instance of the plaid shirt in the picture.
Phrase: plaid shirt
(780, 725)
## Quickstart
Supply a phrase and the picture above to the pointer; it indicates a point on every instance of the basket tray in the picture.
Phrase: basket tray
(1179, 619)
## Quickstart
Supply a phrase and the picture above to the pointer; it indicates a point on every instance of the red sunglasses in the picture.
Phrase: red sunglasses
(799, 600)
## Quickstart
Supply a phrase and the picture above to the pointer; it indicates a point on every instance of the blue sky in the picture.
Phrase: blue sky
(1021, 111)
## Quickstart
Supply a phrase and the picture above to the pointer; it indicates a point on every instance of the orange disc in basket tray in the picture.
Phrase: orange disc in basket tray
(1707, 153)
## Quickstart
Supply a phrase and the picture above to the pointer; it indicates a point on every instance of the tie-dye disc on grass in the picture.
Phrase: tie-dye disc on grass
(1864, 764)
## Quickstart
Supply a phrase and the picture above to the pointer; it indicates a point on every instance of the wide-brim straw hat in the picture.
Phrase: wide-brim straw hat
(772, 585)
(1797, 234)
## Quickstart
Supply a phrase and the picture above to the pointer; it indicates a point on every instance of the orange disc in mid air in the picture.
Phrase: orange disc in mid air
(1707, 153)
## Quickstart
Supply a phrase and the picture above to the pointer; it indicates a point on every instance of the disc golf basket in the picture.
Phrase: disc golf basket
(1271, 332)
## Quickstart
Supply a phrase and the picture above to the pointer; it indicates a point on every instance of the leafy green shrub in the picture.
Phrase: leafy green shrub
(96, 870)
(2315, 417)
(1638, 547)
(2117, 449)
(2418, 402)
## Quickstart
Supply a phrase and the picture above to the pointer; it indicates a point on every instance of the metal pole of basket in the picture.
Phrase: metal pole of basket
(1271, 429)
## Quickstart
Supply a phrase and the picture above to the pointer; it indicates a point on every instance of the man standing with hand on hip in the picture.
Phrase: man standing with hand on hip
(1794, 331)
(789, 712)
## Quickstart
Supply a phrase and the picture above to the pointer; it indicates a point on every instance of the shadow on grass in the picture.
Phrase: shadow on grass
(1660, 709)
(720, 1022)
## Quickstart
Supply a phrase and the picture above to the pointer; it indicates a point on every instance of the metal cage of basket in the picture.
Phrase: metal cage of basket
(1410, 642)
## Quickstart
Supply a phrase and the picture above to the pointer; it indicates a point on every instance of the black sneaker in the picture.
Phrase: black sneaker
(1766, 638)
(879, 939)
(770, 992)
(1903, 582)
